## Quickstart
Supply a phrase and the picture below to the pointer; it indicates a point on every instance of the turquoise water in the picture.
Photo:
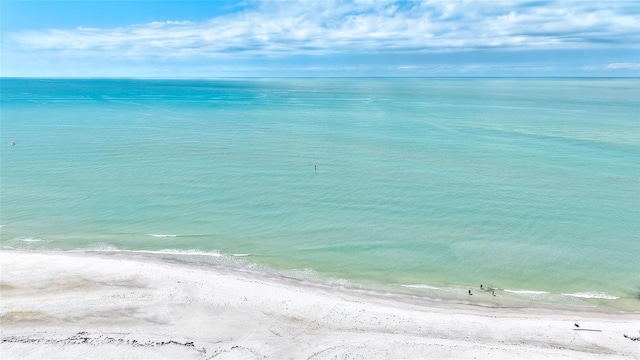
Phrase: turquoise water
(528, 185)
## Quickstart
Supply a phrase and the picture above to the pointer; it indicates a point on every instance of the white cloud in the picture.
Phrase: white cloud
(277, 28)
(624, 66)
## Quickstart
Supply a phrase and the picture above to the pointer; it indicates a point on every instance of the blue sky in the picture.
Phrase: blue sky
(271, 38)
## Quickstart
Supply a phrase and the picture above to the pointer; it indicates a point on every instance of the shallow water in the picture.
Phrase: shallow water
(528, 185)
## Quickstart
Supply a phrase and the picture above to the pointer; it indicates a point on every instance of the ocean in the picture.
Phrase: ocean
(424, 186)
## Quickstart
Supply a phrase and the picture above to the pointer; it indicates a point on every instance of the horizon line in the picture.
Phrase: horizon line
(306, 77)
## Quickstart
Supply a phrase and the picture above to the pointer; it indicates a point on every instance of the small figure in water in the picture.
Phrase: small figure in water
(481, 288)
(13, 143)
(493, 292)
(470, 292)
(315, 168)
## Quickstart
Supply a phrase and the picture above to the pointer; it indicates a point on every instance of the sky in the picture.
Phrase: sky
(325, 38)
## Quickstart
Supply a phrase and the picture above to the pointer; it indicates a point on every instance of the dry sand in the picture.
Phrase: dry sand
(78, 305)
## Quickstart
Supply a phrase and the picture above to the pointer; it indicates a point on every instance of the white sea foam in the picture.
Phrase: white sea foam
(99, 247)
(593, 295)
(421, 286)
(190, 252)
(102, 247)
(163, 235)
(525, 292)
(240, 255)
(30, 239)
(312, 275)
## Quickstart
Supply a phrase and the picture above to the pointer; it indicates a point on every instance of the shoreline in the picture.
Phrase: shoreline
(596, 301)
(62, 305)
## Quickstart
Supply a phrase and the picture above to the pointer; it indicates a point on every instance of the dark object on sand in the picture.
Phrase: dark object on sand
(637, 338)
(576, 325)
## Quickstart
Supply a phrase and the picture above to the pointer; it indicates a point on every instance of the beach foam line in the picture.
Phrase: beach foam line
(30, 239)
(190, 252)
(102, 247)
(593, 295)
(27, 239)
(526, 292)
(97, 247)
(421, 286)
(162, 235)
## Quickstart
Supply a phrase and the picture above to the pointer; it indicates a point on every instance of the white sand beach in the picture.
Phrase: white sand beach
(78, 305)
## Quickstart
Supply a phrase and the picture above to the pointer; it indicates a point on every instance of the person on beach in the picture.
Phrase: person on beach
(470, 292)
(632, 338)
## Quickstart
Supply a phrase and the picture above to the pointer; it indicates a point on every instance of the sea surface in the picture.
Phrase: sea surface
(428, 187)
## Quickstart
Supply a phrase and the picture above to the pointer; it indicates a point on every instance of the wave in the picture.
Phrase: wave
(103, 247)
(526, 292)
(593, 295)
(162, 235)
(99, 247)
(309, 275)
(421, 286)
(189, 252)
(28, 239)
